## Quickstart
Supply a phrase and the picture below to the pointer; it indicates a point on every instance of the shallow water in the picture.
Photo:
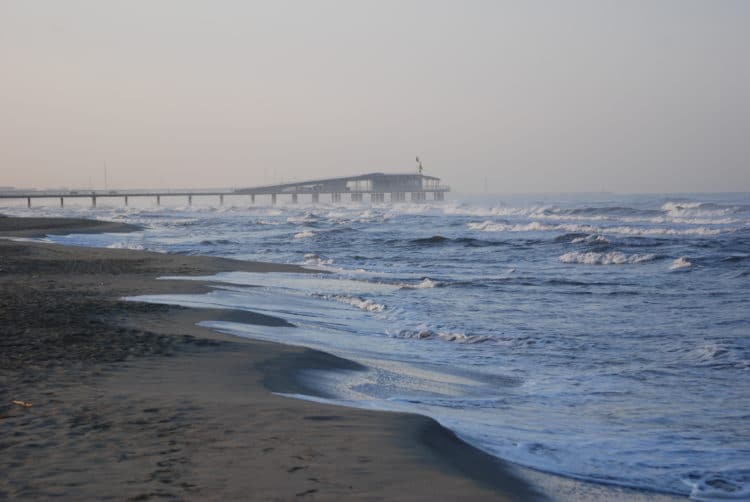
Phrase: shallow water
(603, 337)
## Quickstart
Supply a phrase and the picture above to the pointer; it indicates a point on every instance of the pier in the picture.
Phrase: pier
(378, 187)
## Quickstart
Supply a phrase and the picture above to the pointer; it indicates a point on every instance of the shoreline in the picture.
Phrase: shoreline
(134, 401)
(351, 453)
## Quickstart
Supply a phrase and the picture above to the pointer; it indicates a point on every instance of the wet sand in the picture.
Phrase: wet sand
(133, 401)
(39, 227)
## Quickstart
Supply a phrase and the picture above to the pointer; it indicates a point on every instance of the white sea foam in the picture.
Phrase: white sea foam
(693, 214)
(305, 218)
(698, 211)
(535, 226)
(355, 301)
(611, 258)
(126, 245)
(699, 231)
(313, 259)
(709, 352)
(671, 206)
(426, 283)
(533, 212)
(422, 333)
(681, 264)
(719, 486)
(304, 234)
(591, 239)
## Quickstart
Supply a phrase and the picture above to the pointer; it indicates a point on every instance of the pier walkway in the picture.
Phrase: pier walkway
(378, 186)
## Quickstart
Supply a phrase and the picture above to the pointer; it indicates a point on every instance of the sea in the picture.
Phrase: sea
(603, 337)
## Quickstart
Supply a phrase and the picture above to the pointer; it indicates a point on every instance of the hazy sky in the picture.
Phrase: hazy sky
(629, 95)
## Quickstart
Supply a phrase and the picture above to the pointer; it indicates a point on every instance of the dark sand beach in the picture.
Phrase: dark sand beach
(134, 401)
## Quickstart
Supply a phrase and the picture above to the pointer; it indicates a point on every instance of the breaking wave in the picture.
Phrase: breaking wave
(535, 226)
(313, 259)
(355, 301)
(428, 334)
(127, 245)
(612, 258)
(426, 283)
(680, 264)
(591, 239)
(304, 235)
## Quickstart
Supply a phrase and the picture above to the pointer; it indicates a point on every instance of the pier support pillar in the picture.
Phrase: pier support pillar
(315, 198)
(62, 204)
(356, 197)
(335, 197)
(126, 200)
(190, 200)
(377, 197)
(158, 200)
(273, 198)
(93, 201)
(398, 196)
(252, 199)
(221, 200)
(418, 197)
(439, 196)
(294, 198)
(28, 201)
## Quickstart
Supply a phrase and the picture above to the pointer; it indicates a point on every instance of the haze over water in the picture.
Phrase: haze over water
(534, 96)
(603, 337)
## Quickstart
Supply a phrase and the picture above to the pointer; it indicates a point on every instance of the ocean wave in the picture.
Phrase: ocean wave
(306, 218)
(511, 212)
(733, 485)
(426, 283)
(439, 240)
(218, 242)
(710, 352)
(126, 245)
(535, 226)
(435, 239)
(702, 210)
(683, 213)
(553, 212)
(715, 354)
(313, 259)
(356, 301)
(570, 237)
(428, 334)
(671, 206)
(681, 263)
(612, 258)
(699, 231)
(304, 234)
(591, 239)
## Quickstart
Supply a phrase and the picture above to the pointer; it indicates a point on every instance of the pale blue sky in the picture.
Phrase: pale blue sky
(588, 95)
